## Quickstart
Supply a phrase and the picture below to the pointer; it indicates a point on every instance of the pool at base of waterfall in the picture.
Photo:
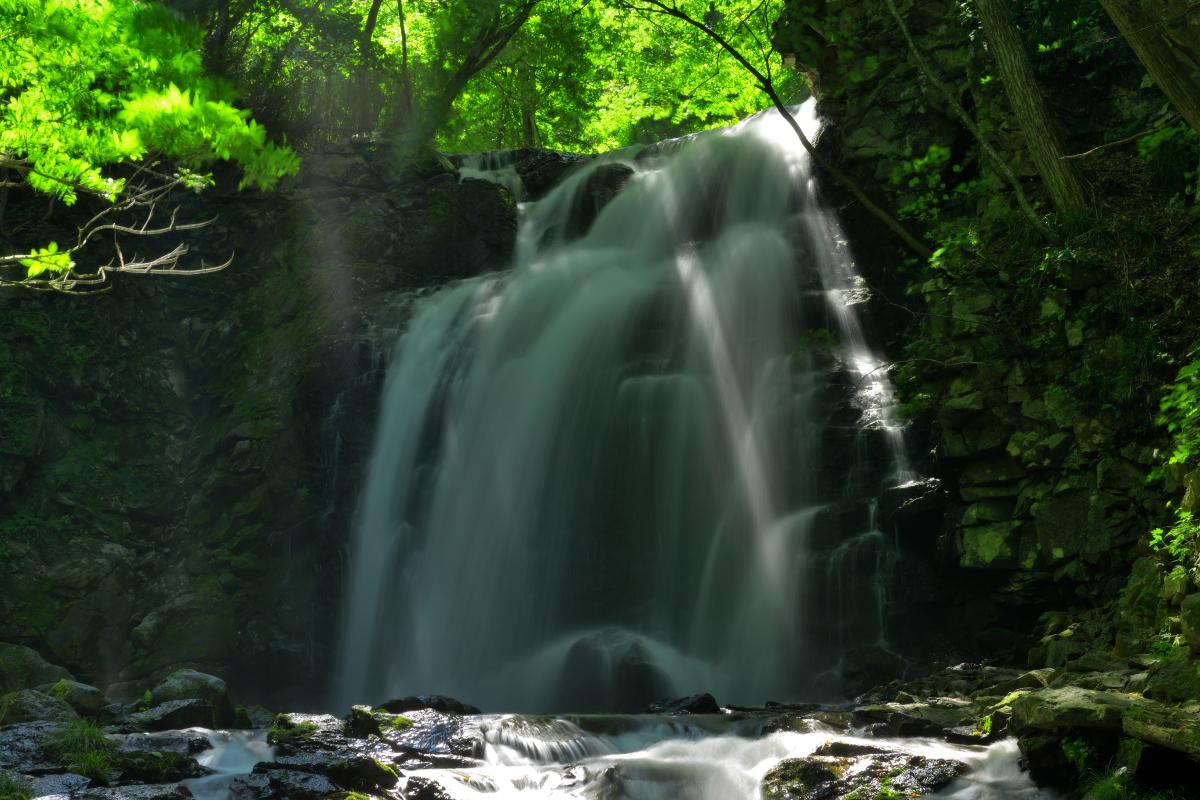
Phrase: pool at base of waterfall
(613, 757)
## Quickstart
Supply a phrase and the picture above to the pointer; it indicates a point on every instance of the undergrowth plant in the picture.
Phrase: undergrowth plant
(14, 786)
(84, 748)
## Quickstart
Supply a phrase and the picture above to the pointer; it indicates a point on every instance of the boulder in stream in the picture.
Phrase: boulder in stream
(861, 772)
(188, 684)
(692, 704)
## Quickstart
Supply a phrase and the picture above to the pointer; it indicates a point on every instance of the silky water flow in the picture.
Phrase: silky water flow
(641, 463)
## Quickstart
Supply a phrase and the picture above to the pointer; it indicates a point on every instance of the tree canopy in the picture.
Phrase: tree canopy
(98, 95)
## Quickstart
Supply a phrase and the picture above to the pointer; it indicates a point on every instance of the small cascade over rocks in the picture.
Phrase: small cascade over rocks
(641, 464)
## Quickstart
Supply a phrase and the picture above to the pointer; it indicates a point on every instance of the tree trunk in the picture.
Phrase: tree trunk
(1060, 177)
(527, 81)
(366, 112)
(1165, 35)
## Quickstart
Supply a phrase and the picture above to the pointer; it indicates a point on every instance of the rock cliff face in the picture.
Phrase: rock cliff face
(1033, 387)
(179, 458)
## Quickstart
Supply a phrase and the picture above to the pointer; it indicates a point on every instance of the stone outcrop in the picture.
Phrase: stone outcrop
(179, 458)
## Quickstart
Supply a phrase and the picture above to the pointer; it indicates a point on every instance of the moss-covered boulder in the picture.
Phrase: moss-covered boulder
(858, 773)
(28, 705)
(85, 699)
(24, 668)
(1166, 726)
(1070, 708)
(188, 684)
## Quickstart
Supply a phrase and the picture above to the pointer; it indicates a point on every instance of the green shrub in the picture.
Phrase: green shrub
(84, 749)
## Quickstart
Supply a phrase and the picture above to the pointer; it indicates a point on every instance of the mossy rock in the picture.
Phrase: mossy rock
(28, 705)
(85, 699)
(189, 684)
(24, 668)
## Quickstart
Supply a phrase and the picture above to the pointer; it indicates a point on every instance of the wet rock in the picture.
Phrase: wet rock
(348, 769)
(86, 700)
(172, 791)
(188, 684)
(63, 784)
(142, 766)
(603, 184)
(797, 779)
(924, 717)
(23, 668)
(1069, 707)
(424, 789)
(692, 704)
(913, 502)
(542, 170)
(867, 667)
(867, 775)
(436, 702)
(21, 746)
(174, 715)
(184, 743)
(294, 733)
(27, 705)
(251, 787)
(437, 733)
(840, 749)
(610, 671)
(286, 784)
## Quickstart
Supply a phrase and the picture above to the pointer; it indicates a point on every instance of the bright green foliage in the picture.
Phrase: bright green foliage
(578, 76)
(92, 83)
(1180, 542)
(931, 183)
(1179, 412)
(94, 88)
(601, 77)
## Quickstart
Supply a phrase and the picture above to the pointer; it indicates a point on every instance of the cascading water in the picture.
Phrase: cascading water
(623, 470)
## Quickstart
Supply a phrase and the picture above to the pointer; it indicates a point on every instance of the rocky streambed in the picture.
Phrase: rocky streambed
(968, 731)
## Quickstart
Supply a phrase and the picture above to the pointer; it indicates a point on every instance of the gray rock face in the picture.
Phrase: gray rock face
(28, 705)
(24, 668)
(321, 266)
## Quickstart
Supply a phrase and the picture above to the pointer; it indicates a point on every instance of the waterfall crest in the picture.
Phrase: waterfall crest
(639, 464)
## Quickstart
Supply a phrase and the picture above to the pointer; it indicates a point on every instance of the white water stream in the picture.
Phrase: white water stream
(684, 761)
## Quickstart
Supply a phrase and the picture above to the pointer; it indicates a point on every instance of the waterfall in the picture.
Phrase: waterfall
(639, 464)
